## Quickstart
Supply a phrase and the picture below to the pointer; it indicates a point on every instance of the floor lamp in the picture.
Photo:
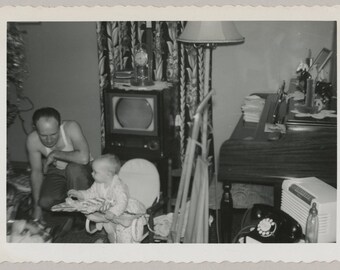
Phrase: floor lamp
(205, 34)
(209, 34)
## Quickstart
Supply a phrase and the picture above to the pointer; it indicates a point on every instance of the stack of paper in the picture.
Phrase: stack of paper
(252, 108)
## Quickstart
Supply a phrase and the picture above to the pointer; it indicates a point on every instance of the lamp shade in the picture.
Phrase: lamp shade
(210, 32)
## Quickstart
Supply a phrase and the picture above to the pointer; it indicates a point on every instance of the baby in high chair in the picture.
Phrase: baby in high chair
(119, 212)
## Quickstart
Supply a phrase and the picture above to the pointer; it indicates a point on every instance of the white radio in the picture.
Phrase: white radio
(298, 194)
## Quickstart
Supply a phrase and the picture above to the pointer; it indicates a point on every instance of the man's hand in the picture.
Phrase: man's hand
(75, 194)
(49, 160)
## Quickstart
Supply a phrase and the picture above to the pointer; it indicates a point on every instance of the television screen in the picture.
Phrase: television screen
(134, 114)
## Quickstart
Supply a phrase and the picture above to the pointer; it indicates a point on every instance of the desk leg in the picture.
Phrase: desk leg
(226, 214)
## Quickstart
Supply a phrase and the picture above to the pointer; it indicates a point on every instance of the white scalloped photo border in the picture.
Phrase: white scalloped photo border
(160, 252)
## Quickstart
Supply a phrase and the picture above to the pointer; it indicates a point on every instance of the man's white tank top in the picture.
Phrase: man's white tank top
(67, 148)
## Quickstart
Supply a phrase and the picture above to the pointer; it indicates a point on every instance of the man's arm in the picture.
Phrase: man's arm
(35, 161)
(81, 152)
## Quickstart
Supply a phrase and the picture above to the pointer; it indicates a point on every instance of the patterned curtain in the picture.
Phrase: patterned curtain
(175, 62)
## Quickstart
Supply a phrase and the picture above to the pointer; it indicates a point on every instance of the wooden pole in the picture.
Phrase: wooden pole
(182, 195)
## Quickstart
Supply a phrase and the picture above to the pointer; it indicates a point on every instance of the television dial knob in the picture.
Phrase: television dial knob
(153, 145)
(116, 143)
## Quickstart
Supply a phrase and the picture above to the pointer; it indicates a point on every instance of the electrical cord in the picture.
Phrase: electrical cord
(217, 223)
(22, 120)
(216, 211)
(30, 103)
(245, 215)
(244, 231)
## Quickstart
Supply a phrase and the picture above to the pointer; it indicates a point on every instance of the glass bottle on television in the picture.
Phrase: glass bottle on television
(142, 66)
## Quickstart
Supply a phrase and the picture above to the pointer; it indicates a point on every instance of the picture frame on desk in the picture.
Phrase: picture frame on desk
(321, 59)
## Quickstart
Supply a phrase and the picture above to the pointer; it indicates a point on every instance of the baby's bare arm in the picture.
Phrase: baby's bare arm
(97, 217)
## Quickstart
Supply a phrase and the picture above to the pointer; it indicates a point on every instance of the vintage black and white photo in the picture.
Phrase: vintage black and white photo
(129, 132)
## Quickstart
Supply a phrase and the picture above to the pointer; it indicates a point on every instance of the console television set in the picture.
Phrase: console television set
(139, 123)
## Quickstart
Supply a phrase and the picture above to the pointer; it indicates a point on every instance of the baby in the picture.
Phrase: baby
(117, 215)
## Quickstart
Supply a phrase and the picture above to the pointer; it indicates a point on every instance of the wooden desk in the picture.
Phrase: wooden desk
(249, 157)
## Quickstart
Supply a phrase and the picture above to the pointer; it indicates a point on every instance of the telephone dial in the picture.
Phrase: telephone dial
(273, 225)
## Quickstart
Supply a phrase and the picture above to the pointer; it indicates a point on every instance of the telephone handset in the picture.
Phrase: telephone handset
(274, 225)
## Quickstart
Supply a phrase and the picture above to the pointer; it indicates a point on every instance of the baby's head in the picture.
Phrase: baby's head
(105, 167)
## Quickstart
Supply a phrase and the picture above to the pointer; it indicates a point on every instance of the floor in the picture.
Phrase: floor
(215, 237)
(81, 236)
(78, 233)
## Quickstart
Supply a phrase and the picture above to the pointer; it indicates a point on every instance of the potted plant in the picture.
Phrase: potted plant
(16, 70)
(16, 74)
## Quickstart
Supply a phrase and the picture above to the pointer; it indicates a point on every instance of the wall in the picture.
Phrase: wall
(270, 54)
(62, 61)
(63, 73)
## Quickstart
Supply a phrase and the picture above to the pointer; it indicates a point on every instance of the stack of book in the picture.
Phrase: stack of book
(252, 108)
(123, 77)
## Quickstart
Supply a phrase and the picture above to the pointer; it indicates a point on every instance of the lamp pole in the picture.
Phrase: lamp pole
(207, 57)
(208, 35)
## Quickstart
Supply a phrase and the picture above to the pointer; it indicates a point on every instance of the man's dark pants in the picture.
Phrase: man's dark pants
(55, 185)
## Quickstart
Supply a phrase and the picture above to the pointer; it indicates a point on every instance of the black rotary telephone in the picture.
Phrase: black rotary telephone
(273, 225)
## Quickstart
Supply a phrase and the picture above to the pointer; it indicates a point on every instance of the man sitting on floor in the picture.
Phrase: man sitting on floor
(59, 157)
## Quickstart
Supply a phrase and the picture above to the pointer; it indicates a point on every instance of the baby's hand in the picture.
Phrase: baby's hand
(109, 215)
(106, 206)
(75, 194)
